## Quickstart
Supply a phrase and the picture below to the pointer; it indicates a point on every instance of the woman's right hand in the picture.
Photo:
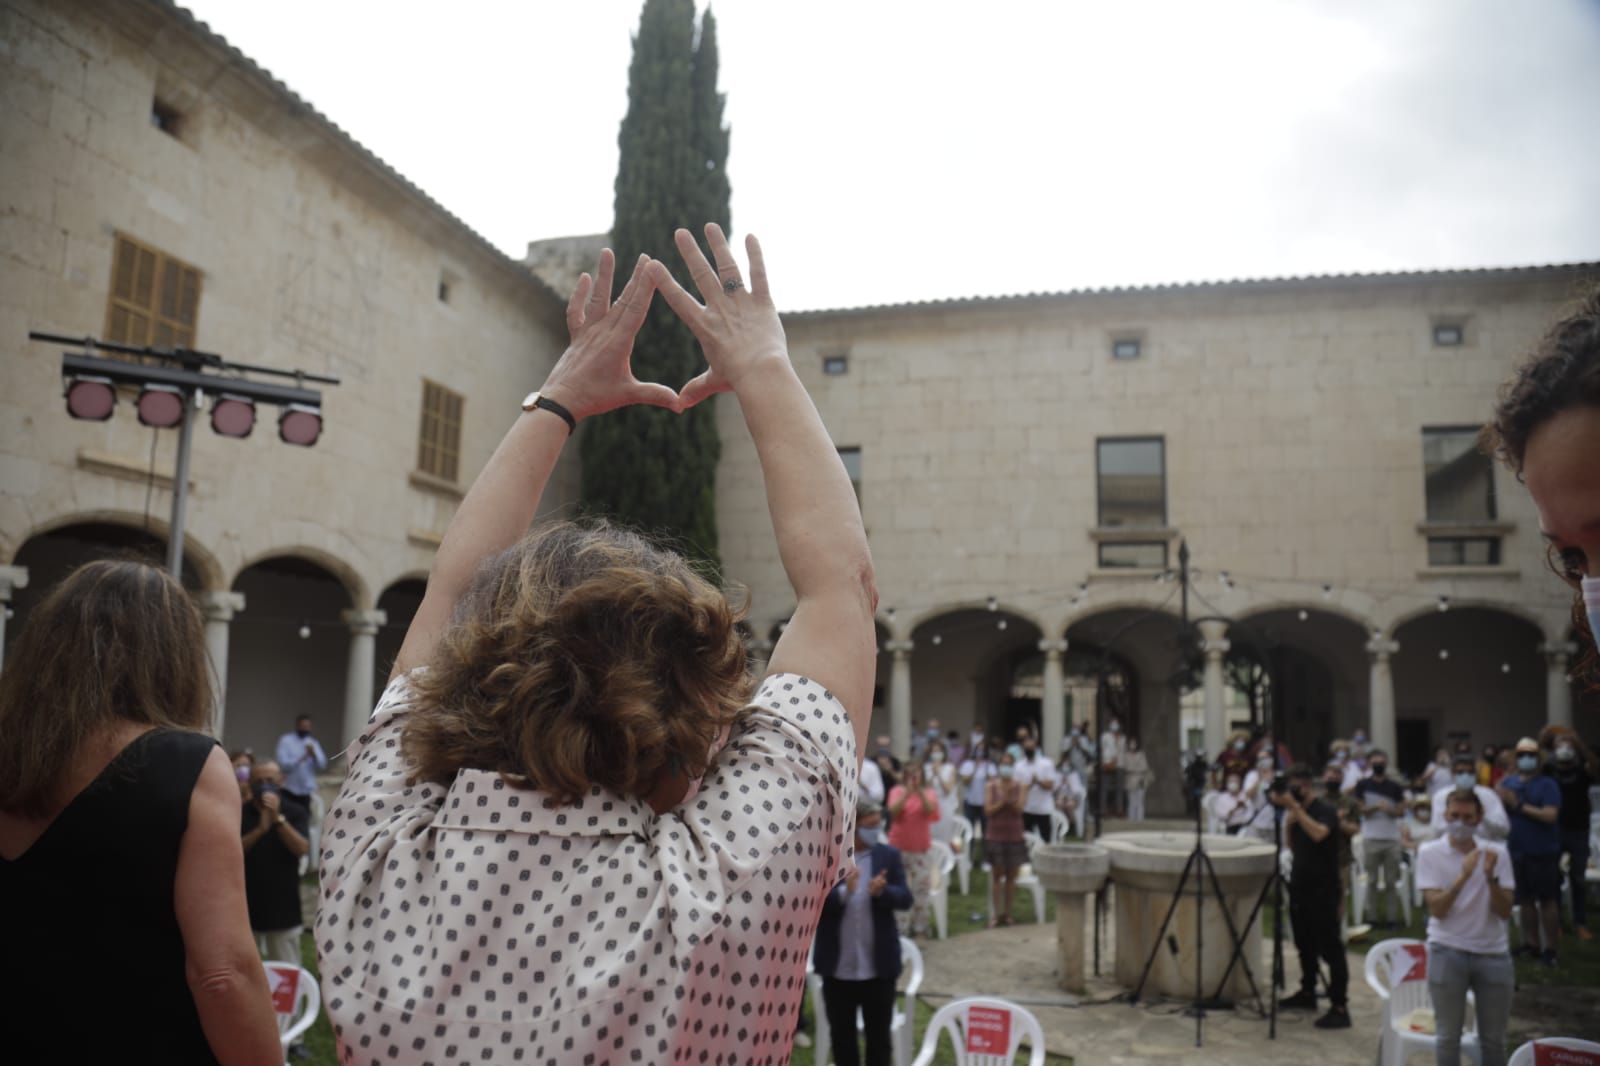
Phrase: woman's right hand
(738, 329)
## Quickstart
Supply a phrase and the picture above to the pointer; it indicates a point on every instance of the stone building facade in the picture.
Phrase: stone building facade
(1027, 466)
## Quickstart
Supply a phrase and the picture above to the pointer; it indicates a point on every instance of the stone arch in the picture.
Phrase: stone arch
(195, 554)
(1473, 672)
(1362, 621)
(916, 621)
(1538, 619)
(347, 575)
(399, 602)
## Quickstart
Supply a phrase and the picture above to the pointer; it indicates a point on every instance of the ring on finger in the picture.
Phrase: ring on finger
(732, 285)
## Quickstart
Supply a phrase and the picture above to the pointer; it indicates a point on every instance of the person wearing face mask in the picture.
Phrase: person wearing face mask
(1003, 839)
(1574, 770)
(940, 773)
(1494, 825)
(1534, 803)
(1349, 811)
(974, 773)
(857, 947)
(1418, 827)
(1489, 766)
(1467, 884)
(1437, 777)
(1230, 811)
(1312, 828)
(301, 758)
(1037, 776)
(1381, 800)
(913, 809)
(1235, 758)
(1079, 751)
(1111, 751)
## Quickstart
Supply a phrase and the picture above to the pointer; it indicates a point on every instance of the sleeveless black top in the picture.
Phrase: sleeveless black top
(93, 960)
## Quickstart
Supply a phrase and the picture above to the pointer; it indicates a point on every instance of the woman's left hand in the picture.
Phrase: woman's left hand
(594, 375)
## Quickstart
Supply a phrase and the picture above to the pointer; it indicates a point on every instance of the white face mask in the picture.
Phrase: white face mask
(1460, 831)
(870, 836)
(936, 758)
(1233, 784)
(1465, 780)
(1008, 772)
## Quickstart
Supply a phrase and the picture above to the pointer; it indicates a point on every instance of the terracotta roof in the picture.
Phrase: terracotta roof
(1470, 275)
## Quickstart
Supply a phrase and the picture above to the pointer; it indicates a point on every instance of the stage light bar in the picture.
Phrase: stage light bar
(300, 424)
(160, 406)
(233, 415)
(90, 398)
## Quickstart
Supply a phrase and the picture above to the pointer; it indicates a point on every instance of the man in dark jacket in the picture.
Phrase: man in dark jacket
(1311, 826)
(857, 952)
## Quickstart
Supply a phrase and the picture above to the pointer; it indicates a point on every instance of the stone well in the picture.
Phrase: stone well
(1146, 868)
(1071, 872)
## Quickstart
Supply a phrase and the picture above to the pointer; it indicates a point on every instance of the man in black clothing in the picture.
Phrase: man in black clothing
(275, 828)
(1312, 825)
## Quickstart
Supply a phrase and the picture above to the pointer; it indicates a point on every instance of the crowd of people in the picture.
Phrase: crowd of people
(570, 829)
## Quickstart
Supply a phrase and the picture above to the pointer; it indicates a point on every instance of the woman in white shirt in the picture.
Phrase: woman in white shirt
(522, 856)
(941, 775)
(1467, 886)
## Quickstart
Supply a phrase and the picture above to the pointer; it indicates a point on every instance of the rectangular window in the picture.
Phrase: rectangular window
(1458, 478)
(439, 439)
(1463, 551)
(834, 365)
(165, 117)
(1151, 555)
(1125, 348)
(1131, 475)
(851, 457)
(155, 299)
(1448, 335)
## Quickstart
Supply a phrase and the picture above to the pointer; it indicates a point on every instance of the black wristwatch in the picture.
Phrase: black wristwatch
(535, 401)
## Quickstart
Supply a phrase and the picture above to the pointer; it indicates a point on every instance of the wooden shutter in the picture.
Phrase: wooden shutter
(155, 299)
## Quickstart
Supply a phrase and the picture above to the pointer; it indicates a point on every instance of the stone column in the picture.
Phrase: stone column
(1053, 715)
(1380, 719)
(900, 697)
(760, 656)
(1213, 643)
(219, 608)
(358, 676)
(11, 579)
(1558, 690)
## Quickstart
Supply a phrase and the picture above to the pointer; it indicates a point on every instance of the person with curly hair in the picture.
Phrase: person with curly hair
(570, 832)
(1546, 429)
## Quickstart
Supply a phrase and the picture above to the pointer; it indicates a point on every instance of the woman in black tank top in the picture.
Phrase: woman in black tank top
(121, 872)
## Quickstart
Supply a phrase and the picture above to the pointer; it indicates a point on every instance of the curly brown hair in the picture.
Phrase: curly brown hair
(1562, 372)
(115, 640)
(583, 655)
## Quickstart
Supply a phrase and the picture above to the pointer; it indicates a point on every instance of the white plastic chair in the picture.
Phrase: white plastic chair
(1383, 958)
(296, 999)
(1408, 994)
(961, 843)
(939, 893)
(1027, 881)
(905, 1009)
(1526, 1055)
(999, 1024)
(1060, 826)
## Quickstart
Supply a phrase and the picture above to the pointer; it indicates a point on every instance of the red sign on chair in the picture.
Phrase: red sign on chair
(1551, 1055)
(988, 1030)
(285, 983)
(1419, 962)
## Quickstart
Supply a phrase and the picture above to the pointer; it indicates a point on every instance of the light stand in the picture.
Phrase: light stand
(185, 372)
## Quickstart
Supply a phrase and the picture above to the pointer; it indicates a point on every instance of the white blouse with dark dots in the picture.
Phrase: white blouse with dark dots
(480, 923)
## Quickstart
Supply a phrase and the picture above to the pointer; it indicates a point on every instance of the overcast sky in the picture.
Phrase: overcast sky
(889, 151)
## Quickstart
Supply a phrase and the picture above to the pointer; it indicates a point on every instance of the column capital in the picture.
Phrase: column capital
(1053, 648)
(1212, 629)
(1380, 648)
(11, 579)
(900, 649)
(1557, 652)
(220, 605)
(364, 623)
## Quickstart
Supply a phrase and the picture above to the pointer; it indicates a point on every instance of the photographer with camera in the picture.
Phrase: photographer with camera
(275, 827)
(1312, 828)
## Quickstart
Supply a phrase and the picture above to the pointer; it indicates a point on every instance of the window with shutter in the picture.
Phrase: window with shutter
(439, 436)
(155, 298)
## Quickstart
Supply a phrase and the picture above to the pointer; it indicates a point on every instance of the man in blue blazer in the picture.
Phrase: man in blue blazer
(857, 951)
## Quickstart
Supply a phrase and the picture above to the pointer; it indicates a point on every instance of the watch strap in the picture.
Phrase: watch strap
(548, 404)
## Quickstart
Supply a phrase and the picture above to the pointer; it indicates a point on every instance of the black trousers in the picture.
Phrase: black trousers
(1037, 823)
(1314, 918)
(875, 1000)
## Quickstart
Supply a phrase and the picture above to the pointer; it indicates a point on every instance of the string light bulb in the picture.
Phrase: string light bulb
(937, 639)
(1444, 604)
(993, 604)
(305, 631)
(1327, 592)
(1444, 653)
(1000, 624)
(1505, 668)
(1304, 614)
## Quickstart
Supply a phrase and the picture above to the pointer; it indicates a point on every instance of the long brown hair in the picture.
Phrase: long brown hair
(581, 656)
(116, 640)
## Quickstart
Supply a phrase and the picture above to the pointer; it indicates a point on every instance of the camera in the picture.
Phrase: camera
(1279, 786)
(262, 788)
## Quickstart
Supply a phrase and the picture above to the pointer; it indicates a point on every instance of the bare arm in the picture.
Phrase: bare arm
(593, 376)
(224, 971)
(821, 540)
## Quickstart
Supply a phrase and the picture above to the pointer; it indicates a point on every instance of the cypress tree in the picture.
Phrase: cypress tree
(650, 468)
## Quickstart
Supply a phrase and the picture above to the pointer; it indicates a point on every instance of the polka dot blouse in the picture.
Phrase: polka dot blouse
(481, 923)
